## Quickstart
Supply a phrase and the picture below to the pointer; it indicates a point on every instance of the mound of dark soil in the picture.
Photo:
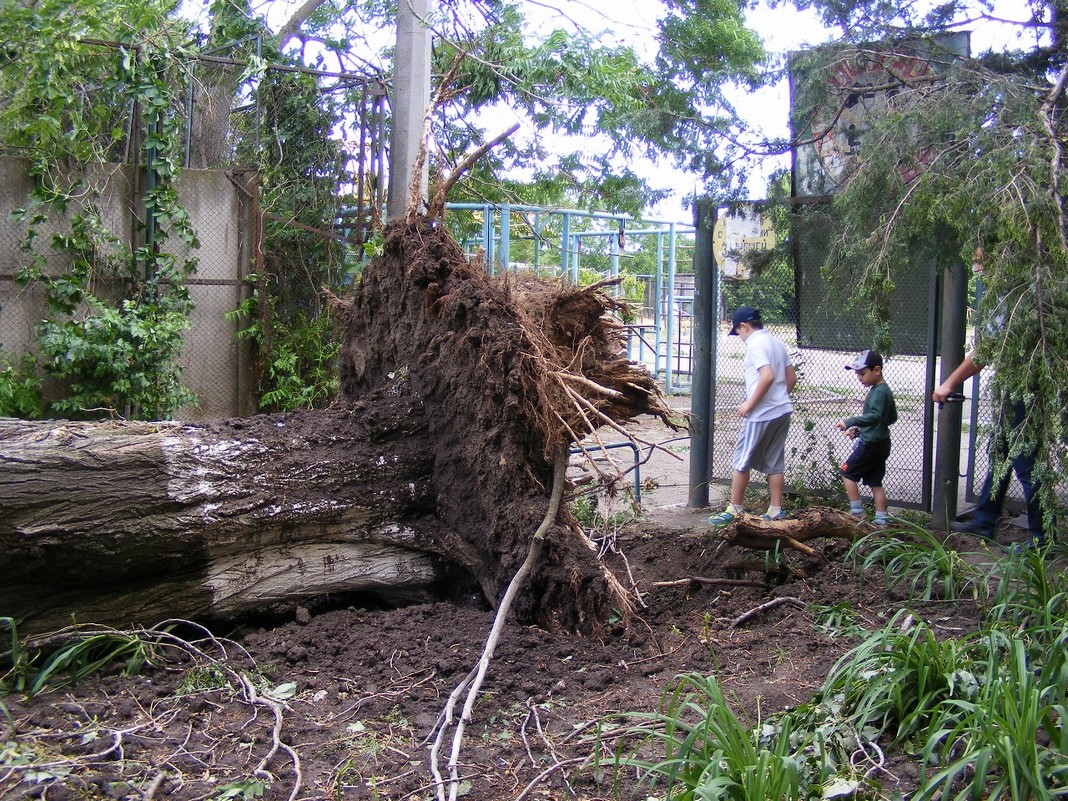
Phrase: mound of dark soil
(359, 691)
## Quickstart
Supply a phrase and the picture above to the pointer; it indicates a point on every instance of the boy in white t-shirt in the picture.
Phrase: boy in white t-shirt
(769, 378)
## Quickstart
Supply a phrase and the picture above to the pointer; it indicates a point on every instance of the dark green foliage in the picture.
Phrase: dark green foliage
(20, 389)
(772, 291)
(304, 185)
(112, 335)
(298, 366)
(301, 172)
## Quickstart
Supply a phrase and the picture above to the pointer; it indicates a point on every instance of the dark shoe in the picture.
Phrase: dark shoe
(1030, 546)
(968, 527)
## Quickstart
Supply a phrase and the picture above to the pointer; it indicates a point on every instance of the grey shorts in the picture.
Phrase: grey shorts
(762, 446)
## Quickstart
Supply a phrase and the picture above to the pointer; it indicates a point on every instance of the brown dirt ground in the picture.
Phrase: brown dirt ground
(369, 684)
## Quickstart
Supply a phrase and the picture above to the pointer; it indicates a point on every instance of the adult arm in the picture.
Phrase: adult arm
(965, 370)
(791, 378)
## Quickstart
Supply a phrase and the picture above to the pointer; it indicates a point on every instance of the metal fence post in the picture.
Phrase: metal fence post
(704, 327)
(947, 443)
(669, 367)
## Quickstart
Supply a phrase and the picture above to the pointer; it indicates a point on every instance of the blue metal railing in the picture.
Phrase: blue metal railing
(496, 239)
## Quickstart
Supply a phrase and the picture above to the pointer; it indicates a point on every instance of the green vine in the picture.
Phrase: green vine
(112, 333)
(298, 365)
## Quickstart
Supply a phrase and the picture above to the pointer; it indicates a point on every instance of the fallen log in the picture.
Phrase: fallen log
(752, 531)
(131, 522)
(426, 480)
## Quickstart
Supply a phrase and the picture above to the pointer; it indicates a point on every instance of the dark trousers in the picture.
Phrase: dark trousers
(992, 498)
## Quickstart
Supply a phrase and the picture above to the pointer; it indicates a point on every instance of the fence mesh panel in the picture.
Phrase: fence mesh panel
(823, 330)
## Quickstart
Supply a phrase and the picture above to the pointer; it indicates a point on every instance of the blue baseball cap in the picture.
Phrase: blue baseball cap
(744, 314)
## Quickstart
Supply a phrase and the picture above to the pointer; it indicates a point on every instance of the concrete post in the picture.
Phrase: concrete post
(411, 97)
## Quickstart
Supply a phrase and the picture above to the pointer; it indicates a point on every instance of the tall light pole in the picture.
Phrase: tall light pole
(411, 97)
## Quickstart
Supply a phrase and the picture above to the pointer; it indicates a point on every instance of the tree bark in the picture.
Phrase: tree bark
(126, 523)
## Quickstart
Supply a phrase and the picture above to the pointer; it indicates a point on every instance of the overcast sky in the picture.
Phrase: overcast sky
(633, 22)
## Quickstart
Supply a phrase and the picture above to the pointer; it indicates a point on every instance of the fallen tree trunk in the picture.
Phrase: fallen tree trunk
(428, 479)
(135, 522)
(752, 531)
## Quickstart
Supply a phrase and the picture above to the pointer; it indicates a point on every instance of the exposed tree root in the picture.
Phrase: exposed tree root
(472, 683)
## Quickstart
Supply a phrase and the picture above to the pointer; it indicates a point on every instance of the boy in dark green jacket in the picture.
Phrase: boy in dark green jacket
(871, 429)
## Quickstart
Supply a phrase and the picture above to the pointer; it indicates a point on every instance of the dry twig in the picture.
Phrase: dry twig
(785, 599)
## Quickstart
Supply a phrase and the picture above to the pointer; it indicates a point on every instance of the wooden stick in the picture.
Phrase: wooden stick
(785, 599)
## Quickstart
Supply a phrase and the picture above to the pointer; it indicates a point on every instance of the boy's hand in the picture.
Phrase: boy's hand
(850, 431)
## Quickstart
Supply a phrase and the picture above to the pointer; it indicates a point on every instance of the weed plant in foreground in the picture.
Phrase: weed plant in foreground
(86, 653)
(911, 557)
(709, 752)
(1009, 739)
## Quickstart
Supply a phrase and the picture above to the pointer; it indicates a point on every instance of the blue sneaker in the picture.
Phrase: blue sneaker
(780, 516)
(724, 518)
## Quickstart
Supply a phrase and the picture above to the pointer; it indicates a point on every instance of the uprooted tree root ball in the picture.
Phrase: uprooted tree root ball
(508, 371)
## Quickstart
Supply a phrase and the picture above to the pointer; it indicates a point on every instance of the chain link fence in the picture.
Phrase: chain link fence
(824, 329)
(282, 179)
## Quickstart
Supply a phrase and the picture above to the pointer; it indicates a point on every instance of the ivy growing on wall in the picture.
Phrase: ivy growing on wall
(109, 342)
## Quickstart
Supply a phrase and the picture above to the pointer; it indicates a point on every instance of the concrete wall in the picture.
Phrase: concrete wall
(222, 211)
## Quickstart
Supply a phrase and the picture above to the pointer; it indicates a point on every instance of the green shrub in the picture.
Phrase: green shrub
(20, 389)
